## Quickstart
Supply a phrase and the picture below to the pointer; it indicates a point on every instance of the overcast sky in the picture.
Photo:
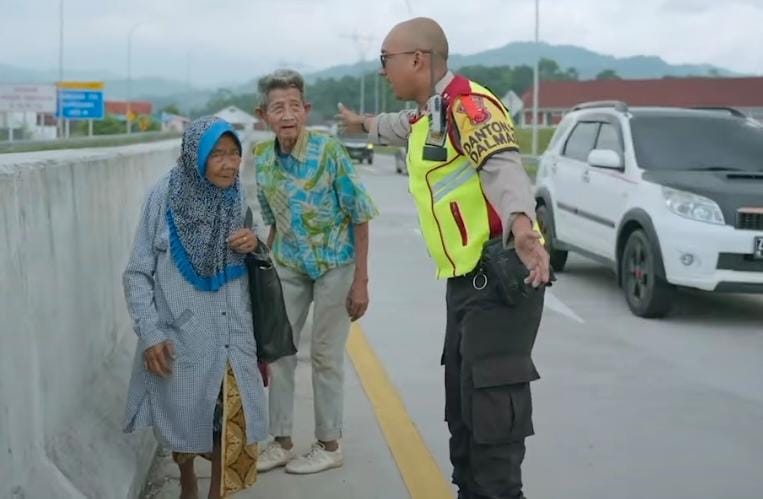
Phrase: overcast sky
(236, 40)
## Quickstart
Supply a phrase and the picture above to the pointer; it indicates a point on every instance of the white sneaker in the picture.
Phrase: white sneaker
(274, 456)
(317, 460)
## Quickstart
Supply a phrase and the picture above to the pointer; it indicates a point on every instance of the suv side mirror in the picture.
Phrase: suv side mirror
(605, 158)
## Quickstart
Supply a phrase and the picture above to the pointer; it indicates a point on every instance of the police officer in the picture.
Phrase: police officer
(469, 185)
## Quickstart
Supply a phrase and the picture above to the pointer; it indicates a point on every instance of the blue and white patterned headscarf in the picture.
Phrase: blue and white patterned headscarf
(200, 215)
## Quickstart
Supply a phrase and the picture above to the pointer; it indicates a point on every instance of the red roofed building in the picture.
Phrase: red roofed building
(558, 97)
(119, 107)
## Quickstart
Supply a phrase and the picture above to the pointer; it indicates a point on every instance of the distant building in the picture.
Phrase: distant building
(174, 123)
(557, 97)
(137, 107)
(241, 120)
(28, 125)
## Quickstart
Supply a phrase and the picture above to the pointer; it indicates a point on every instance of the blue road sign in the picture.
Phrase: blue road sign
(81, 104)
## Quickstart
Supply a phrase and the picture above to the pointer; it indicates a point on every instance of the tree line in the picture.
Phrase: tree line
(325, 93)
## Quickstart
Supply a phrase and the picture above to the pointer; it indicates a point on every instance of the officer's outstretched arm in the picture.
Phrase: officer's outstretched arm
(386, 128)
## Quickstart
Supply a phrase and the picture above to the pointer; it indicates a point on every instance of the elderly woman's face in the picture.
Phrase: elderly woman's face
(223, 162)
(286, 113)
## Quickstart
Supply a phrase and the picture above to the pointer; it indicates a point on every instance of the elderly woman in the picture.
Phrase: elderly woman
(195, 378)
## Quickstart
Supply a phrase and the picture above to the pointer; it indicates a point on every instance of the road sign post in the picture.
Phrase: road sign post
(81, 100)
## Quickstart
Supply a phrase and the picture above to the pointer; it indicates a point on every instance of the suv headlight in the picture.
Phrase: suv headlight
(370, 146)
(693, 206)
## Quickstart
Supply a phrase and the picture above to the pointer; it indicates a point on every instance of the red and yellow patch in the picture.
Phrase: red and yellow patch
(484, 128)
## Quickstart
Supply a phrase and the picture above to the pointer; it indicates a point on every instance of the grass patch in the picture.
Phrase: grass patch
(525, 139)
(385, 149)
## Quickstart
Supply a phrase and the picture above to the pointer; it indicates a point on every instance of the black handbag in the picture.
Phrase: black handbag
(272, 329)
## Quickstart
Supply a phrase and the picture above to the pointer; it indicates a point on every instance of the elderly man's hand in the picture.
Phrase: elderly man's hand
(158, 358)
(243, 241)
(357, 299)
(352, 121)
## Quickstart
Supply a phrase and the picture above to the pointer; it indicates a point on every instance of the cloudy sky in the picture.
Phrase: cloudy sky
(225, 41)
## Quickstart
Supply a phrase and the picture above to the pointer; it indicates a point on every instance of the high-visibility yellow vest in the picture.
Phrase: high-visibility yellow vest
(456, 218)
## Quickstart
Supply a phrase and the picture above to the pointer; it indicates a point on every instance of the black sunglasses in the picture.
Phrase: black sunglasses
(383, 57)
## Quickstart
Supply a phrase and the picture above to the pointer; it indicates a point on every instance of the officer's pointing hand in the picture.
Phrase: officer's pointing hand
(353, 122)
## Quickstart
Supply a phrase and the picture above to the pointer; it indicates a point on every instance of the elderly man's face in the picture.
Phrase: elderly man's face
(286, 113)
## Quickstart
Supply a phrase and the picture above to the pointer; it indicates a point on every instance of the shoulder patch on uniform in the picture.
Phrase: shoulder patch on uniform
(483, 127)
(474, 107)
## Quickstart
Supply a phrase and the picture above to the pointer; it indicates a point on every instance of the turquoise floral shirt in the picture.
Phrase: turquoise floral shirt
(314, 197)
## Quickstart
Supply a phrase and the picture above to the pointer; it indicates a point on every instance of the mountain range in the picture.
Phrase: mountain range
(587, 63)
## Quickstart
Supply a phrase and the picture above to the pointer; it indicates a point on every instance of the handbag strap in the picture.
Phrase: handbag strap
(262, 253)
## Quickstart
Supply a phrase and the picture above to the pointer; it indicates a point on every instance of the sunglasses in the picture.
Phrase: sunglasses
(383, 57)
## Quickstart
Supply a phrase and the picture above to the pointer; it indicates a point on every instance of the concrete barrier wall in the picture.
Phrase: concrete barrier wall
(67, 220)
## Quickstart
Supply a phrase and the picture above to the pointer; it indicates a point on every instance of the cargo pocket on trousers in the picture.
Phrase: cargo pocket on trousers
(501, 400)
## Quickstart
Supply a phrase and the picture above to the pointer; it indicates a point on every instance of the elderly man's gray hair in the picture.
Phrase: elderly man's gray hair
(280, 79)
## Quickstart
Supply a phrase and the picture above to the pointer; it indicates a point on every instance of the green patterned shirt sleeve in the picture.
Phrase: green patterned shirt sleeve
(267, 213)
(351, 193)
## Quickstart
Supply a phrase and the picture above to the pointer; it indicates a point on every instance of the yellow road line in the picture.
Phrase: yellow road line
(421, 474)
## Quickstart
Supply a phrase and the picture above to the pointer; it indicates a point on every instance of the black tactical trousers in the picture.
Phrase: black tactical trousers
(488, 370)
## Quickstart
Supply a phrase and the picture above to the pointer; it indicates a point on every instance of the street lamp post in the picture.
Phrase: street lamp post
(536, 78)
(59, 120)
(361, 43)
(129, 76)
(362, 106)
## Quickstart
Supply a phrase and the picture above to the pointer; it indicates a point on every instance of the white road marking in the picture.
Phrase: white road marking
(557, 305)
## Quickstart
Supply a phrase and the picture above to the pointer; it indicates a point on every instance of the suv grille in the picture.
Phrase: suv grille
(736, 261)
(750, 219)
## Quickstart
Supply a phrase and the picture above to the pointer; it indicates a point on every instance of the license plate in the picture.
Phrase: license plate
(758, 251)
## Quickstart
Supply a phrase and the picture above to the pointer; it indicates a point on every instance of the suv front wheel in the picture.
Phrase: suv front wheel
(546, 222)
(648, 294)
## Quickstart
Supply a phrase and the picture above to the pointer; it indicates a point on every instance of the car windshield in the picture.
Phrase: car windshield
(711, 143)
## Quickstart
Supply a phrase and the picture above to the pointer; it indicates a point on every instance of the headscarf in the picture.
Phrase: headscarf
(200, 215)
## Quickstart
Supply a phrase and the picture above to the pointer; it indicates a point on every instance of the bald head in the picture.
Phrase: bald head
(421, 33)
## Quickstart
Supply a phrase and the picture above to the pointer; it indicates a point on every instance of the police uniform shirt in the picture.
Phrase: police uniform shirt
(486, 138)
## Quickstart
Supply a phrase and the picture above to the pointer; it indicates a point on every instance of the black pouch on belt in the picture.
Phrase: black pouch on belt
(504, 265)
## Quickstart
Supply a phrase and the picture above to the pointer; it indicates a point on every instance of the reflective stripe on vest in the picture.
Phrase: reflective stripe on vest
(452, 209)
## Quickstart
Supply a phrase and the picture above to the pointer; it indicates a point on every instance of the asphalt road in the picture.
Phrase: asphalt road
(626, 407)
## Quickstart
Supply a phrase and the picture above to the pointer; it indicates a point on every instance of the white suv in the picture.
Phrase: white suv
(665, 196)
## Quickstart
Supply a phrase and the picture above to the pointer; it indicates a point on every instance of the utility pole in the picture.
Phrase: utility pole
(362, 43)
(60, 120)
(129, 76)
(410, 9)
(536, 79)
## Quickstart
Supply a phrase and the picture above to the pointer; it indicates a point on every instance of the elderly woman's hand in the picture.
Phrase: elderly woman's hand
(158, 358)
(243, 241)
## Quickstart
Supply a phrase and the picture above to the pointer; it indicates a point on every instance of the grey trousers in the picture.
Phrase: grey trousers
(331, 326)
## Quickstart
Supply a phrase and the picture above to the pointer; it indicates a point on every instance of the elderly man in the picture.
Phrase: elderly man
(471, 191)
(318, 211)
